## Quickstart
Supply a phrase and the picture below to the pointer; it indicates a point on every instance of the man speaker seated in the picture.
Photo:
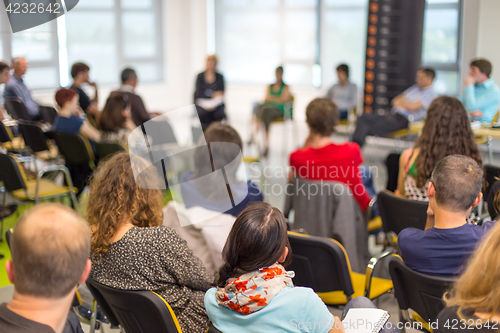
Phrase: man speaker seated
(448, 240)
(50, 249)
(409, 106)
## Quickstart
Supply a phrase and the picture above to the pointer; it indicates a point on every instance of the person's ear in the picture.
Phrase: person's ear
(10, 270)
(478, 200)
(283, 255)
(431, 190)
(86, 272)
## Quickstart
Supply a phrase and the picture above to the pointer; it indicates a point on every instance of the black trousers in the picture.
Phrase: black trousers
(208, 117)
(374, 124)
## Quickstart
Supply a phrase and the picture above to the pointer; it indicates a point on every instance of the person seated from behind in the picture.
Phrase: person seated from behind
(473, 300)
(131, 250)
(255, 293)
(4, 78)
(115, 121)
(409, 106)
(344, 94)
(446, 132)
(69, 118)
(321, 159)
(448, 240)
(129, 82)
(481, 95)
(50, 247)
(493, 201)
(80, 75)
(16, 89)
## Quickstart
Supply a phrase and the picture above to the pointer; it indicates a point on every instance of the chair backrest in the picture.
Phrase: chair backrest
(420, 292)
(136, 311)
(16, 108)
(5, 133)
(160, 132)
(8, 236)
(10, 174)
(75, 148)
(492, 174)
(320, 263)
(33, 136)
(106, 149)
(400, 213)
(48, 114)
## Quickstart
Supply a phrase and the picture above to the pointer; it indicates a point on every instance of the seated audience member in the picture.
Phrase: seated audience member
(321, 159)
(131, 250)
(50, 247)
(493, 201)
(473, 301)
(446, 132)
(4, 78)
(254, 292)
(277, 96)
(115, 121)
(448, 240)
(344, 94)
(15, 88)
(481, 95)
(69, 118)
(207, 200)
(80, 75)
(137, 107)
(409, 106)
(209, 94)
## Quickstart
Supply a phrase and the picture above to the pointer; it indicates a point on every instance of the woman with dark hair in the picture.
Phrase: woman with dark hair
(446, 132)
(115, 121)
(131, 250)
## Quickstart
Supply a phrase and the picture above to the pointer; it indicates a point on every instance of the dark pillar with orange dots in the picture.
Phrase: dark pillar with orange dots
(393, 50)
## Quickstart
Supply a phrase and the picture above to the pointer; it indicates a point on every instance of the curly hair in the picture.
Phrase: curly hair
(115, 198)
(446, 132)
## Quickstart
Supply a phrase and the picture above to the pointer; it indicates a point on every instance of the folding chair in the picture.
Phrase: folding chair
(7, 139)
(323, 265)
(107, 149)
(420, 292)
(35, 139)
(48, 114)
(16, 108)
(491, 175)
(287, 118)
(135, 311)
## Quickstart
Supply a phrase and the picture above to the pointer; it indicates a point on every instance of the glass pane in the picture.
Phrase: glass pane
(297, 74)
(442, 1)
(300, 35)
(139, 35)
(249, 52)
(34, 44)
(96, 4)
(440, 35)
(300, 3)
(42, 77)
(344, 41)
(346, 3)
(146, 71)
(266, 3)
(134, 4)
(446, 83)
(95, 44)
(236, 3)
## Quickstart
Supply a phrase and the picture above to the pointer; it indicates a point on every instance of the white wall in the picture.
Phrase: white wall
(488, 45)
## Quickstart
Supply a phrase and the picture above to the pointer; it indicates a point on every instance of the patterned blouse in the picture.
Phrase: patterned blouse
(157, 259)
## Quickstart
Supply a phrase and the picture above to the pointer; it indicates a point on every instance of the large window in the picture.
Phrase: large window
(311, 37)
(108, 35)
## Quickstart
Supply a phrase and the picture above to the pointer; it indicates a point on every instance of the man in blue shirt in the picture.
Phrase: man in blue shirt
(481, 95)
(448, 240)
(409, 106)
(16, 88)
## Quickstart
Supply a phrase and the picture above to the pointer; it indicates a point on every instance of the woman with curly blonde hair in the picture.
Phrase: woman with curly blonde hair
(474, 300)
(131, 250)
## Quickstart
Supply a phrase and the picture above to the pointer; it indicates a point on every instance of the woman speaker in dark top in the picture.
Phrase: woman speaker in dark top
(209, 94)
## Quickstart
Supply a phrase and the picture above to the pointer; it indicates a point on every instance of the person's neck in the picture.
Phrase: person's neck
(482, 81)
(318, 141)
(65, 112)
(50, 312)
(343, 83)
(77, 83)
(17, 75)
(444, 219)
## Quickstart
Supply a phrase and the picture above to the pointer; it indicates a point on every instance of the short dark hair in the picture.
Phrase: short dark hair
(343, 68)
(484, 66)
(128, 74)
(429, 72)
(78, 68)
(322, 115)
(3, 66)
(458, 180)
(257, 240)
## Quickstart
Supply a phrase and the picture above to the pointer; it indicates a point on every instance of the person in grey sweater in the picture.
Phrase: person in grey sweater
(344, 93)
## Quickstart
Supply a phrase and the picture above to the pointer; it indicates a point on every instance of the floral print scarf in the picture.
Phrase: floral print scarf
(252, 291)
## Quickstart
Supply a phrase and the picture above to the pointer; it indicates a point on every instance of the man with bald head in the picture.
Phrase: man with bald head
(50, 248)
(16, 88)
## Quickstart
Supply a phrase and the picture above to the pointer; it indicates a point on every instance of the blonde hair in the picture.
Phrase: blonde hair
(478, 288)
(214, 58)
